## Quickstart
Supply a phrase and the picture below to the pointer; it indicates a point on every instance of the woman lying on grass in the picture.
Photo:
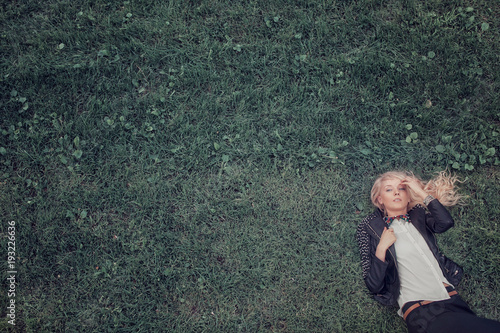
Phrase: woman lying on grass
(401, 261)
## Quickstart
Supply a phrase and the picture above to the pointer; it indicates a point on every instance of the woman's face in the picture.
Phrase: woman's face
(394, 197)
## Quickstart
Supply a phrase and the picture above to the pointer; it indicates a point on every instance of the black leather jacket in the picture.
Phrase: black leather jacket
(382, 278)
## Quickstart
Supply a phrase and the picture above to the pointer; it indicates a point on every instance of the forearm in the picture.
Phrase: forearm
(440, 219)
(380, 252)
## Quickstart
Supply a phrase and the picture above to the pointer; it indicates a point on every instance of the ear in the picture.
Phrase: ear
(379, 199)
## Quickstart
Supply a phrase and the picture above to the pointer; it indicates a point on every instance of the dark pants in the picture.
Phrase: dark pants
(452, 315)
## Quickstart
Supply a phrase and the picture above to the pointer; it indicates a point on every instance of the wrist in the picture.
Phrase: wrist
(428, 199)
(422, 194)
(382, 247)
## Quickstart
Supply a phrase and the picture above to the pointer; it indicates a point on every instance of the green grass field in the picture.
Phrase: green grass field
(201, 166)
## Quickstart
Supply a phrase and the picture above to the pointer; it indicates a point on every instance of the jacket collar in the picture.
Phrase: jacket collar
(377, 224)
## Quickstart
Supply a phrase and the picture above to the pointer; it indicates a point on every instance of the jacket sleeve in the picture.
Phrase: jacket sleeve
(374, 270)
(438, 219)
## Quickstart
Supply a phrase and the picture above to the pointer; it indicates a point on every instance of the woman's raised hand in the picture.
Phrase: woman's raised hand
(386, 240)
(416, 186)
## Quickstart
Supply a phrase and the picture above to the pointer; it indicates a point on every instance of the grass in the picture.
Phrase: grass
(201, 166)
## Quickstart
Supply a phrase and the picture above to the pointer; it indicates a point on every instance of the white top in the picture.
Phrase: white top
(420, 276)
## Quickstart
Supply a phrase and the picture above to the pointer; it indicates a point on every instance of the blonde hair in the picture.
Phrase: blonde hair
(441, 187)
